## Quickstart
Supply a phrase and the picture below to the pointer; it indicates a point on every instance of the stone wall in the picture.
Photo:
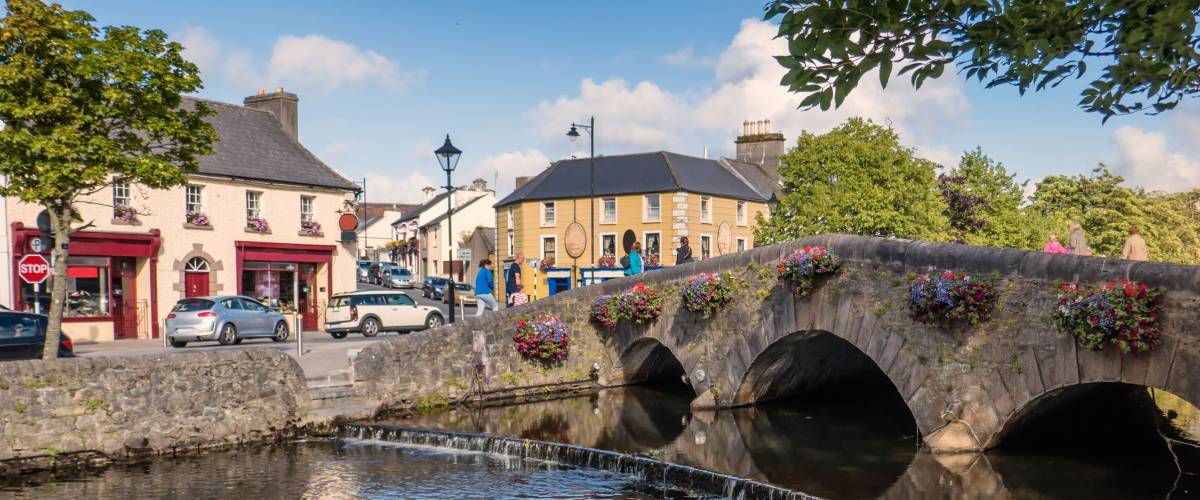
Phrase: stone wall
(125, 407)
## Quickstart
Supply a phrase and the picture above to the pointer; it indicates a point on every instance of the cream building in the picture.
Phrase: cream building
(260, 219)
(426, 227)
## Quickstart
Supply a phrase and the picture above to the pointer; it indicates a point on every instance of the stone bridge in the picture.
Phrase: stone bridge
(967, 388)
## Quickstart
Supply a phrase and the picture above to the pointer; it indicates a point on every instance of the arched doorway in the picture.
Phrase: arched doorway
(195, 277)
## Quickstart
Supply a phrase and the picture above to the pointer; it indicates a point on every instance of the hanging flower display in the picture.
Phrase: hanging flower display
(1120, 313)
(640, 304)
(197, 219)
(258, 224)
(652, 260)
(310, 227)
(604, 311)
(542, 339)
(607, 260)
(705, 293)
(547, 263)
(943, 298)
(802, 267)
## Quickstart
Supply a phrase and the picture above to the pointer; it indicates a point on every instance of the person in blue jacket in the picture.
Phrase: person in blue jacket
(485, 288)
(635, 259)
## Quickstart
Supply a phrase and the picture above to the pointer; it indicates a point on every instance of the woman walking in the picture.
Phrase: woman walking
(484, 287)
(1077, 241)
(683, 254)
(1053, 246)
(635, 260)
(1135, 246)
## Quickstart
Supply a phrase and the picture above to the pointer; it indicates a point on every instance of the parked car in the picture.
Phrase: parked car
(463, 292)
(398, 277)
(369, 313)
(429, 284)
(438, 288)
(227, 319)
(373, 275)
(364, 271)
(23, 336)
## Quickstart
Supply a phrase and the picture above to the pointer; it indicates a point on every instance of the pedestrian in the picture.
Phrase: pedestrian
(683, 254)
(1077, 241)
(485, 288)
(518, 297)
(1135, 246)
(1053, 246)
(633, 262)
(512, 277)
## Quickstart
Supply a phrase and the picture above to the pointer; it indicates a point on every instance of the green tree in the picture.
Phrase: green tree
(1098, 202)
(1172, 226)
(984, 206)
(1148, 50)
(83, 106)
(856, 179)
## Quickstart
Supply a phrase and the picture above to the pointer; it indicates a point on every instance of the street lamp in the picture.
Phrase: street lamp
(447, 156)
(573, 134)
(773, 209)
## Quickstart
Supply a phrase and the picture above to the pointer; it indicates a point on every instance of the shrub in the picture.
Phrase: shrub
(542, 339)
(604, 311)
(705, 293)
(943, 298)
(640, 304)
(1121, 313)
(802, 267)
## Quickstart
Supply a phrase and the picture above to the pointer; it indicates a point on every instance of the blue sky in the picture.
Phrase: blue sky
(380, 84)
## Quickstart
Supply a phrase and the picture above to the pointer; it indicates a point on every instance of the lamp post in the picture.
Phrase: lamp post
(773, 209)
(573, 134)
(447, 156)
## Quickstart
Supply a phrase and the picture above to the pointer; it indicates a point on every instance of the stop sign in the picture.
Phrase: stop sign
(33, 268)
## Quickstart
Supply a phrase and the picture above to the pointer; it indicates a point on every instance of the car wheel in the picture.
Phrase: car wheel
(370, 327)
(178, 344)
(433, 321)
(338, 335)
(281, 332)
(228, 334)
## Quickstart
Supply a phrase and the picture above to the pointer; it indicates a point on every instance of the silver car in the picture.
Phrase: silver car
(397, 277)
(226, 319)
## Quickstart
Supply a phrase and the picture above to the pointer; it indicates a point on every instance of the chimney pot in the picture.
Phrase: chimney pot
(281, 105)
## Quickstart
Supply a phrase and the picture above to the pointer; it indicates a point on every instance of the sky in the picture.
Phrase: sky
(382, 83)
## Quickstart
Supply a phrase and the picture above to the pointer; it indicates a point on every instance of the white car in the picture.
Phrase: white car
(369, 313)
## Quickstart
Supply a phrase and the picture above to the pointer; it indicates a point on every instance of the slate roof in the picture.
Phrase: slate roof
(655, 172)
(416, 212)
(457, 209)
(252, 145)
(761, 179)
(489, 237)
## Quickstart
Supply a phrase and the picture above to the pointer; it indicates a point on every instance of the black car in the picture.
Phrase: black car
(23, 336)
(437, 286)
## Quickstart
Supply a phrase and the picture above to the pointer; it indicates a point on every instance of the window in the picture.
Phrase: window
(705, 210)
(651, 243)
(652, 211)
(510, 243)
(511, 223)
(741, 244)
(705, 247)
(121, 196)
(608, 210)
(253, 205)
(87, 289)
(195, 199)
(196, 265)
(741, 213)
(608, 245)
(549, 249)
(547, 213)
(399, 299)
(306, 208)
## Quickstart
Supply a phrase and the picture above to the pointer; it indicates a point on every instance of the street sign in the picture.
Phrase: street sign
(463, 254)
(33, 268)
(41, 244)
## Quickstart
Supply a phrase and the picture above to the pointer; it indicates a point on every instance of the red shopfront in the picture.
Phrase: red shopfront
(102, 279)
(285, 275)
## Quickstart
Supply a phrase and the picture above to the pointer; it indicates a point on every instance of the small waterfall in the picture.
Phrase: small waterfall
(648, 470)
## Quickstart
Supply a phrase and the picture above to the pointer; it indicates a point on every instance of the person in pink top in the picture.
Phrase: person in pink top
(1053, 246)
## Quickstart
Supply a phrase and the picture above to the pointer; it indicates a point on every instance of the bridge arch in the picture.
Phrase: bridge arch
(648, 360)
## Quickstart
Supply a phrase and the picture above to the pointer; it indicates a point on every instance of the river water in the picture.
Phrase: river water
(860, 445)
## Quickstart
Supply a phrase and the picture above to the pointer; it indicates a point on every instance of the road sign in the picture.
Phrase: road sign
(41, 244)
(33, 268)
(463, 254)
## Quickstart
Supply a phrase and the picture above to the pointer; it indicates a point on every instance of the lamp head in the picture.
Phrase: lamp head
(448, 155)
(573, 134)
(773, 204)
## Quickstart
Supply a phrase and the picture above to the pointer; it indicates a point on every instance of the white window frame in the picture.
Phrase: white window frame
(196, 265)
(511, 224)
(741, 213)
(646, 208)
(706, 209)
(604, 212)
(254, 205)
(193, 203)
(511, 242)
(708, 237)
(646, 243)
(740, 244)
(542, 212)
(122, 196)
(542, 246)
(600, 243)
(310, 214)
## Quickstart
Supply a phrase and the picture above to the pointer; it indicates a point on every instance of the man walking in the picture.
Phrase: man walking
(484, 288)
(512, 277)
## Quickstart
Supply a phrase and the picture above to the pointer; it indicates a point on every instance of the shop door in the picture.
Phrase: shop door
(124, 298)
(195, 284)
(309, 305)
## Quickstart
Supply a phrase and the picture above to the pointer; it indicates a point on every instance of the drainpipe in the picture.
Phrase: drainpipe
(5, 250)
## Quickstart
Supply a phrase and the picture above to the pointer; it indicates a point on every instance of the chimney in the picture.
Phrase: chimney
(760, 146)
(479, 185)
(428, 191)
(521, 181)
(280, 104)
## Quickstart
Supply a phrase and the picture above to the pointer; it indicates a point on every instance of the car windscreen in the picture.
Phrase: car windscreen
(20, 326)
(189, 305)
(403, 273)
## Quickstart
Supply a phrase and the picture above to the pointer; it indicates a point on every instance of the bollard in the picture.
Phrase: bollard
(461, 308)
(299, 335)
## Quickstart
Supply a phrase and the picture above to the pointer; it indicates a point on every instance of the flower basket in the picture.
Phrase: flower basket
(547, 263)
(197, 219)
(652, 260)
(604, 312)
(706, 293)
(607, 261)
(125, 214)
(258, 224)
(944, 298)
(310, 227)
(802, 268)
(1124, 314)
(542, 339)
(640, 304)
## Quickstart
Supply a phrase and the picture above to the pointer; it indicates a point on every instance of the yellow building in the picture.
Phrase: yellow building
(652, 198)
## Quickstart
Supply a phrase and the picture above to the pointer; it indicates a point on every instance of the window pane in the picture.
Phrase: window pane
(548, 247)
(189, 305)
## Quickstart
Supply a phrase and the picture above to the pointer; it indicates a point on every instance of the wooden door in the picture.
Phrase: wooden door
(195, 284)
(124, 302)
(308, 301)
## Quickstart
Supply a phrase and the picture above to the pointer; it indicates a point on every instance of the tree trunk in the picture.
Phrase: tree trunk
(60, 222)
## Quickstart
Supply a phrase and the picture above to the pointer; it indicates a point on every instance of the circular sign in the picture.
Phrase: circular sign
(724, 238)
(43, 221)
(348, 222)
(37, 245)
(575, 240)
(33, 268)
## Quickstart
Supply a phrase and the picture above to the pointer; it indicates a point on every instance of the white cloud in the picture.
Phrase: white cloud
(384, 188)
(1147, 162)
(639, 116)
(508, 166)
(686, 57)
(315, 60)
(200, 48)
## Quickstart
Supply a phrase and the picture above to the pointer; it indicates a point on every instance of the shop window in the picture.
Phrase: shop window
(88, 294)
(652, 243)
(306, 208)
(272, 283)
(253, 205)
(608, 245)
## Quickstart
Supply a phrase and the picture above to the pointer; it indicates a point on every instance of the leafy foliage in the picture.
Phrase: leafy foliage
(1148, 50)
(1124, 314)
(801, 268)
(945, 298)
(984, 206)
(1098, 202)
(706, 293)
